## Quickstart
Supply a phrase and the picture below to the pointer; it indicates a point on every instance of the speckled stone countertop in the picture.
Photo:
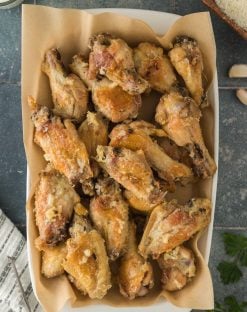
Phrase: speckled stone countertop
(231, 206)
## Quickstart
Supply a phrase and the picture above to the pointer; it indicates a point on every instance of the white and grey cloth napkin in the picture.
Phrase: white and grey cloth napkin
(13, 244)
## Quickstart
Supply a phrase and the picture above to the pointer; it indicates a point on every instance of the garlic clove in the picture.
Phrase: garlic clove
(238, 71)
(242, 96)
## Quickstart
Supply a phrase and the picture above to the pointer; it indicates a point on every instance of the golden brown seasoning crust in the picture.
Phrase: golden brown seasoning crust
(180, 118)
(80, 67)
(52, 258)
(154, 66)
(178, 268)
(69, 94)
(87, 264)
(171, 224)
(136, 138)
(55, 200)
(131, 170)
(137, 203)
(61, 144)
(113, 58)
(113, 102)
(109, 213)
(186, 57)
(135, 277)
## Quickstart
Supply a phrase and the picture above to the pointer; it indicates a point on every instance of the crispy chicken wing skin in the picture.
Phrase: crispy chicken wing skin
(80, 67)
(87, 264)
(171, 224)
(178, 268)
(61, 144)
(154, 66)
(187, 59)
(113, 102)
(135, 138)
(109, 213)
(135, 275)
(52, 258)
(131, 170)
(137, 203)
(55, 200)
(69, 94)
(180, 118)
(113, 58)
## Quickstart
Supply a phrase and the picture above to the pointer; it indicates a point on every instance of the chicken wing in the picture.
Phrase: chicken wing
(180, 118)
(87, 264)
(52, 258)
(135, 275)
(186, 57)
(80, 67)
(69, 94)
(131, 170)
(135, 138)
(61, 144)
(113, 58)
(171, 224)
(113, 102)
(178, 268)
(55, 200)
(154, 66)
(109, 213)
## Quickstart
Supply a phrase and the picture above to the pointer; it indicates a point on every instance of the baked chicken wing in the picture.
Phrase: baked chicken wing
(52, 258)
(186, 57)
(87, 264)
(61, 144)
(180, 118)
(113, 58)
(154, 66)
(171, 224)
(135, 137)
(55, 200)
(135, 275)
(69, 94)
(178, 268)
(113, 102)
(109, 213)
(131, 170)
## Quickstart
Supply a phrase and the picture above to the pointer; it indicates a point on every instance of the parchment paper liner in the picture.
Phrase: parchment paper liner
(69, 30)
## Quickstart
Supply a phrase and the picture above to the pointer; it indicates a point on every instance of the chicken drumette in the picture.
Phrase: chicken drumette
(69, 94)
(186, 57)
(180, 118)
(132, 171)
(135, 277)
(86, 261)
(171, 224)
(154, 66)
(61, 144)
(113, 58)
(55, 200)
(109, 213)
(135, 136)
(178, 268)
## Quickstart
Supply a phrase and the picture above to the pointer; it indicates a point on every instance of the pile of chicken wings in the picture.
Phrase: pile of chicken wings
(102, 197)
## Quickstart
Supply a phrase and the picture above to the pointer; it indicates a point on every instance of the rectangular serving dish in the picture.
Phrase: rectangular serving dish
(159, 22)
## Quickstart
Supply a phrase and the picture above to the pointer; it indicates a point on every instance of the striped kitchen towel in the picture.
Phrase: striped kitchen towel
(13, 245)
